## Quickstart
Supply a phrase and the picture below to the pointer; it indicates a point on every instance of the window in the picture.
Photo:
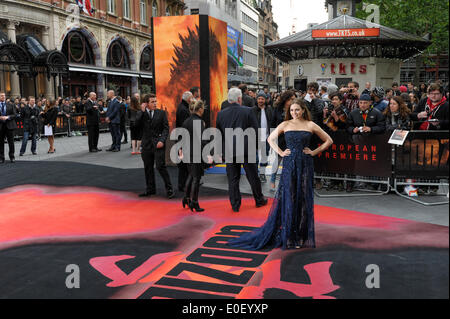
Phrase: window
(250, 40)
(143, 11)
(77, 49)
(117, 56)
(250, 59)
(126, 9)
(146, 60)
(249, 22)
(167, 11)
(112, 6)
(154, 9)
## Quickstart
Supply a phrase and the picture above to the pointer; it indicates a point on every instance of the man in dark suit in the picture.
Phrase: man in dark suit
(7, 127)
(155, 127)
(239, 117)
(93, 122)
(113, 118)
(30, 116)
(183, 113)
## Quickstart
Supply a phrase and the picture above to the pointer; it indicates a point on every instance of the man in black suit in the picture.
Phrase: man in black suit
(7, 127)
(93, 122)
(155, 127)
(30, 116)
(183, 113)
(113, 118)
(239, 117)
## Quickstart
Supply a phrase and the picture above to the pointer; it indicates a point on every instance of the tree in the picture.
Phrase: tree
(418, 17)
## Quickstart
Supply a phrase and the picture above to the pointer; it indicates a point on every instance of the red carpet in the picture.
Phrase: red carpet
(186, 255)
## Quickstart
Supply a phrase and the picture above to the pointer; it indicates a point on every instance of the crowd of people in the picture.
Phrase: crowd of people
(349, 107)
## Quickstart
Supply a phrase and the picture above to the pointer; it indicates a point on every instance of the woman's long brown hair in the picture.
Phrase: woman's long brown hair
(306, 113)
(402, 107)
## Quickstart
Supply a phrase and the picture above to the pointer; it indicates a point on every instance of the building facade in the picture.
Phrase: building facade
(250, 33)
(268, 65)
(108, 48)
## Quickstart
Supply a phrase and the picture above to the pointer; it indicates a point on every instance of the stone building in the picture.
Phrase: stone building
(109, 47)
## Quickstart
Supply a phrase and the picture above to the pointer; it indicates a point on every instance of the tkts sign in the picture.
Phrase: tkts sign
(344, 68)
(346, 33)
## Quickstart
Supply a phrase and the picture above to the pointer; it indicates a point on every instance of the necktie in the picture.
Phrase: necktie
(3, 109)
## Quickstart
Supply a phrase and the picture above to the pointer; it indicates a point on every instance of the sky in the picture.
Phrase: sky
(306, 11)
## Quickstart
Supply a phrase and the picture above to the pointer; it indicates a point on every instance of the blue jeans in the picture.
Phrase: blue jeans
(273, 178)
(26, 135)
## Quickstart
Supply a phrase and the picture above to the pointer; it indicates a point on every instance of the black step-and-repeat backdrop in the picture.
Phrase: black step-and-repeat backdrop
(356, 155)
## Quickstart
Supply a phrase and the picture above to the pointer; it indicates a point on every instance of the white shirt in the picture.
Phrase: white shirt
(263, 125)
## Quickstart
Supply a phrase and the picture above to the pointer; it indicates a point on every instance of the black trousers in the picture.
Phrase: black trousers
(123, 131)
(234, 176)
(183, 174)
(115, 135)
(158, 157)
(93, 135)
(9, 134)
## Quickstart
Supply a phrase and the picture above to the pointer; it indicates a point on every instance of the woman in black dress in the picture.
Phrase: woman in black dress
(136, 131)
(49, 115)
(196, 166)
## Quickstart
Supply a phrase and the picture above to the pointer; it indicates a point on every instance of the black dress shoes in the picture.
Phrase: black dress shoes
(2, 161)
(146, 194)
(13, 160)
(262, 203)
(236, 209)
(99, 149)
(170, 194)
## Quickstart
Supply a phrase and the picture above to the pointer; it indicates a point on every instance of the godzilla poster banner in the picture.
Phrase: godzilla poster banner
(190, 51)
(218, 68)
(177, 60)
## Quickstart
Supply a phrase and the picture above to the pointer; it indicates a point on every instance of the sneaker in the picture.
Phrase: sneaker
(411, 191)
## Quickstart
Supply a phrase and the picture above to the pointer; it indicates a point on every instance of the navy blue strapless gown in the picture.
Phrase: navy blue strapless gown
(291, 219)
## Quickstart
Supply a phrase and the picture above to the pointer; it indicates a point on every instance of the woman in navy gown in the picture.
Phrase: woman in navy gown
(291, 218)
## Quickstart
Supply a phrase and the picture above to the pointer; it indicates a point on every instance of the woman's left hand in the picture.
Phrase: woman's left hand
(308, 151)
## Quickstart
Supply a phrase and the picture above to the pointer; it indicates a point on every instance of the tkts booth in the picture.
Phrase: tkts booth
(346, 49)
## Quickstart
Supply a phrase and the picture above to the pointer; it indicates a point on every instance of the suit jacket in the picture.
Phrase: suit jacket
(236, 116)
(113, 111)
(10, 123)
(375, 120)
(50, 117)
(194, 137)
(154, 130)
(92, 114)
(30, 117)
(183, 113)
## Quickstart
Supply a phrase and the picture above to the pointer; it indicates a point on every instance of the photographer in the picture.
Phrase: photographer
(351, 96)
(29, 115)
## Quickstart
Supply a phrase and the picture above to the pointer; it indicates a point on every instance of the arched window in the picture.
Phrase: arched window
(154, 9)
(77, 49)
(146, 60)
(118, 56)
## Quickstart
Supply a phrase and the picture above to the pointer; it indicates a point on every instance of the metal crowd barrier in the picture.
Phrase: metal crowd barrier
(65, 125)
(423, 158)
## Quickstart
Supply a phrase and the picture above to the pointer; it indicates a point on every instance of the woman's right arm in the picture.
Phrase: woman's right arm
(273, 140)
